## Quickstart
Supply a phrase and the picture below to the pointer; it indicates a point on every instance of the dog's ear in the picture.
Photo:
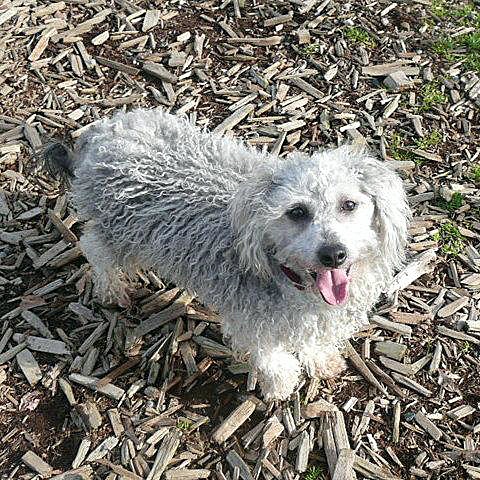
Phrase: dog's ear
(248, 218)
(392, 213)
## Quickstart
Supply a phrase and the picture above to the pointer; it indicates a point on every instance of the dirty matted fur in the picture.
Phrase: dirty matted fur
(245, 231)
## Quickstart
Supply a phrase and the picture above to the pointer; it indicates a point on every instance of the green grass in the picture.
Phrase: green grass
(475, 174)
(440, 8)
(465, 48)
(472, 61)
(471, 42)
(311, 49)
(313, 473)
(397, 148)
(431, 141)
(359, 35)
(184, 425)
(444, 47)
(453, 204)
(466, 14)
(431, 96)
(450, 239)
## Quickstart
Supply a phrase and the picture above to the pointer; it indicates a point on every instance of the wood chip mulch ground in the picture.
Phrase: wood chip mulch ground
(93, 393)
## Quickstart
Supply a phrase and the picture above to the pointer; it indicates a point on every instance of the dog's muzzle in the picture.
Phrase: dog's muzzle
(332, 284)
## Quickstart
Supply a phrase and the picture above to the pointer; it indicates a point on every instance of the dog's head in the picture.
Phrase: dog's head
(317, 220)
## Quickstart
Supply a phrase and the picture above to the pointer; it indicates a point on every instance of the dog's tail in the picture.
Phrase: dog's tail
(58, 160)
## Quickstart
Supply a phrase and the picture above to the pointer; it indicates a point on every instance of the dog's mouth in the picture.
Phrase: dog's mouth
(331, 284)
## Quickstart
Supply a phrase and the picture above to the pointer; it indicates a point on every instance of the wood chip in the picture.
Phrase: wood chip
(45, 345)
(235, 118)
(259, 42)
(12, 352)
(396, 366)
(41, 46)
(233, 421)
(317, 409)
(344, 468)
(118, 371)
(436, 359)
(273, 428)
(164, 455)
(33, 461)
(453, 307)
(122, 472)
(397, 410)
(108, 444)
(109, 390)
(157, 320)
(385, 69)
(391, 349)
(187, 474)
(235, 461)
(301, 462)
(392, 326)
(458, 335)
(411, 384)
(151, 19)
(159, 71)
(461, 412)
(278, 20)
(116, 421)
(306, 87)
(82, 452)
(49, 254)
(428, 425)
(100, 38)
(360, 365)
(83, 473)
(117, 65)
(427, 155)
(29, 366)
(37, 324)
(89, 415)
(397, 81)
(369, 470)
(409, 318)
(421, 264)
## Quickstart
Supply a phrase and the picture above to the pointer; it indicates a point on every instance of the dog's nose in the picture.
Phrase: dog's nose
(332, 255)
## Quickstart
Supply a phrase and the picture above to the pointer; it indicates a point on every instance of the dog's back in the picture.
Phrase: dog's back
(155, 187)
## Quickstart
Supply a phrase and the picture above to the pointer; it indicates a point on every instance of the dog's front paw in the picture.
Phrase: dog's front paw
(278, 375)
(331, 367)
(323, 364)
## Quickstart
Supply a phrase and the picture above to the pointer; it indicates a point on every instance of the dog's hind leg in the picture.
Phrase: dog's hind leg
(109, 279)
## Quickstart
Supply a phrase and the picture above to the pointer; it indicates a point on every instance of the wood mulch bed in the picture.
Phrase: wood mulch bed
(93, 393)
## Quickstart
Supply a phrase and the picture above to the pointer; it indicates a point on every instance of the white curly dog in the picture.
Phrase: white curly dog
(293, 253)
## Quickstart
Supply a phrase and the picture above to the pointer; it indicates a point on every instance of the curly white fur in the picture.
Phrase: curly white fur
(208, 213)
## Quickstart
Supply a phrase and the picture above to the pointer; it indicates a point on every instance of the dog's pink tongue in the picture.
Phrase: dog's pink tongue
(333, 285)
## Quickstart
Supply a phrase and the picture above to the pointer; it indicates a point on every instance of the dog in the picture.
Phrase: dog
(292, 252)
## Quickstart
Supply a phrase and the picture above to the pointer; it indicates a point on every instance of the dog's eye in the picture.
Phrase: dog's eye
(298, 212)
(349, 206)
